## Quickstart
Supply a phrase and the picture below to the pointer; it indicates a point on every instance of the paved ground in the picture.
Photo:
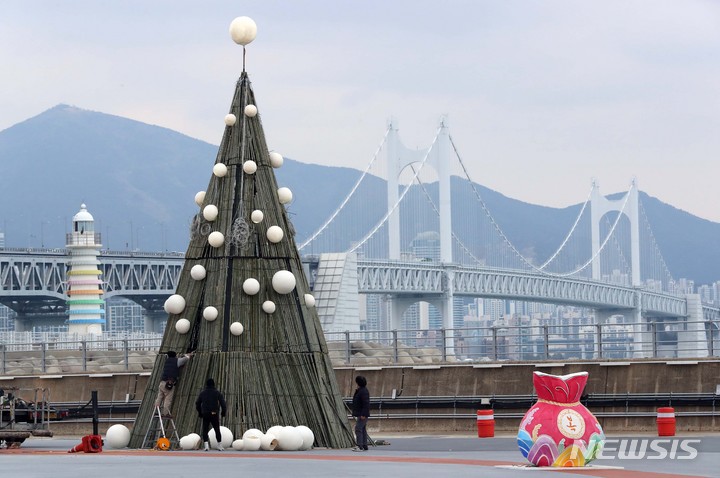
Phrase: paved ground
(405, 456)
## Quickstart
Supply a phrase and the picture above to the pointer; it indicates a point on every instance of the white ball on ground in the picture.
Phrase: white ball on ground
(307, 435)
(268, 442)
(252, 432)
(117, 436)
(190, 442)
(289, 439)
(274, 430)
(252, 443)
(174, 304)
(238, 444)
(226, 437)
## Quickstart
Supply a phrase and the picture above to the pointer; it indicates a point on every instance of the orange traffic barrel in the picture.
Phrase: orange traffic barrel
(666, 421)
(485, 423)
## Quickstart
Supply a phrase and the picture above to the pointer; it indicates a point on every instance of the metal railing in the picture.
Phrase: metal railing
(27, 353)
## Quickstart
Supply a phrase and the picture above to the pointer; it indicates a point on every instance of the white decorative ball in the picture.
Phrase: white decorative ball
(268, 442)
(199, 198)
(310, 300)
(117, 436)
(174, 304)
(276, 159)
(307, 435)
(250, 166)
(252, 432)
(230, 119)
(216, 239)
(274, 430)
(284, 195)
(257, 216)
(289, 439)
(268, 306)
(274, 234)
(190, 442)
(243, 30)
(210, 313)
(238, 444)
(283, 282)
(250, 111)
(236, 328)
(252, 443)
(210, 212)
(226, 437)
(182, 326)
(251, 286)
(220, 170)
(198, 272)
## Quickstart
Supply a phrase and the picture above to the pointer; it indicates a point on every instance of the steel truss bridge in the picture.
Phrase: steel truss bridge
(33, 282)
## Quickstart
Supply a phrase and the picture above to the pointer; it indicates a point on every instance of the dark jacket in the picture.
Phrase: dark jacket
(210, 400)
(361, 402)
(171, 370)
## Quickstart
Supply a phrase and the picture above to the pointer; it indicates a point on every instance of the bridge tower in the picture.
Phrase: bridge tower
(599, 206)
(438, 156)
(85, 305)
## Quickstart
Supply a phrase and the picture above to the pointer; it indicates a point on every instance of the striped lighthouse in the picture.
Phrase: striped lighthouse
(86, 307)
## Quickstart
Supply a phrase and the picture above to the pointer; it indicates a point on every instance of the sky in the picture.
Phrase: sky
(541, 97)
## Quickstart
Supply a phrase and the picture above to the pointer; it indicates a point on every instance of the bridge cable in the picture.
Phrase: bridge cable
(347, 198)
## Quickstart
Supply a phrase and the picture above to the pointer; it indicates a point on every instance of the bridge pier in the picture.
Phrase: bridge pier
(692, 340)
(154, 320)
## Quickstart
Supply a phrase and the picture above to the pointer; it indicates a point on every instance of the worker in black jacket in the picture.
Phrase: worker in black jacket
(210, 405)
(168, 380)
(361, 412)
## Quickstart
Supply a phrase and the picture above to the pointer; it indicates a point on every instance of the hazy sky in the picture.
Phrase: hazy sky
(541, 96)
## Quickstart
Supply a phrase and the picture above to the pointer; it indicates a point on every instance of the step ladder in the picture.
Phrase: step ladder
(161, 428)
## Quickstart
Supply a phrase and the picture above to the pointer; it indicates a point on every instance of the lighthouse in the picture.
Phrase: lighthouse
(86, 307)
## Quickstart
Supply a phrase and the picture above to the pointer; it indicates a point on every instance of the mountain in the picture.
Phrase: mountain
(139, 181)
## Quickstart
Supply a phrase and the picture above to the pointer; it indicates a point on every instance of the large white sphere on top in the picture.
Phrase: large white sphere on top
(198, 272)
(210, 212)
(252, 432)
(276, 159)
(310, 300)
(243, 30)
(182, 326)
(283, 282)
(216, 239)
(257, 216)
(199, 198)
(190, 442)
(210, 313)
(117, 436)
(268, 307)
(220, 170)
(252, 443)
(289, 439)
(307, 435)
(236, 328)
(230, 119)
(250, 166)
(274, 430)
(238, 444)
(250, 111)
(268, 442)
(284, 195)
(251, 286)
(274, 234)
(174, 304)
(226, 437)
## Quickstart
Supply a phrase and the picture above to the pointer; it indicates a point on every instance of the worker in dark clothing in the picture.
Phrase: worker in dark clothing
(210, 405)
(168, 380)
(361, 412)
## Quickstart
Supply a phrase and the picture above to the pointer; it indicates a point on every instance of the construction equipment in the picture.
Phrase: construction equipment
(21, 418)
(161, 433)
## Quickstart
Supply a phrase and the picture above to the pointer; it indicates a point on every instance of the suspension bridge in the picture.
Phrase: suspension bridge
(425, 243)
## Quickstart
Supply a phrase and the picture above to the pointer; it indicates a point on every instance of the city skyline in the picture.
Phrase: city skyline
(563, 91)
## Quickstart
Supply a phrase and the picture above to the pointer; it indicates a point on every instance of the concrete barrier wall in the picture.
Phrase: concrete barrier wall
(482, 381)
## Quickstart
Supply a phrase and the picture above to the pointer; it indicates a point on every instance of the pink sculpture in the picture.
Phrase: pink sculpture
(558, 430)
